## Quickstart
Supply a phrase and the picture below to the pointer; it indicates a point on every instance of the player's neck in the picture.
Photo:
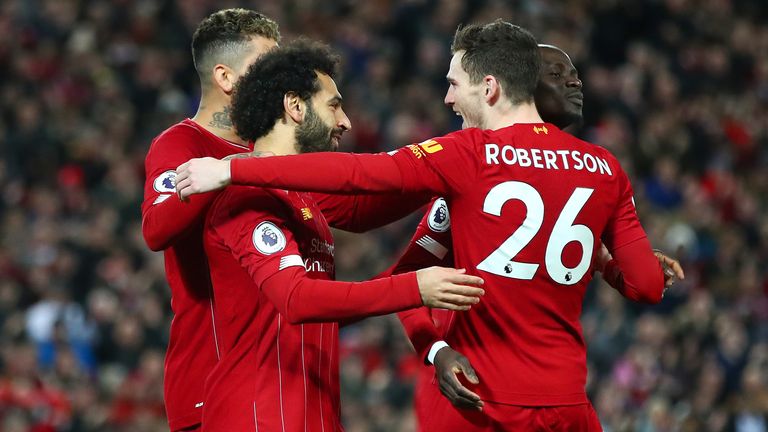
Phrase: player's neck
(522, 113)
(280, 141)
(213, 115)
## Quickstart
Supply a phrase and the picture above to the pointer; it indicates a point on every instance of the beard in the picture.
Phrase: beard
(313, 135)
(473, 119)
(472, 113)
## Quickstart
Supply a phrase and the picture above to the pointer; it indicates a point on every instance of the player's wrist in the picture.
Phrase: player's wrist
(227, 177)
(437, 346)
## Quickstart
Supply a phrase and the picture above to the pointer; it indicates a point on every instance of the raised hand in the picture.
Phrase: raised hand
(448, 288)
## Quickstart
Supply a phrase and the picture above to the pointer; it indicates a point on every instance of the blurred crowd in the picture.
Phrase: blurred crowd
(677, 89)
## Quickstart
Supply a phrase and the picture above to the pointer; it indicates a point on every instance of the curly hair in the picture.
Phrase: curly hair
(257, 102)
(223, 37)
(508, 52)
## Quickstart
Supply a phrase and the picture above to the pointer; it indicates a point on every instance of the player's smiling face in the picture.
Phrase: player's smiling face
(558, 96)
(464, 98)
(324, 121)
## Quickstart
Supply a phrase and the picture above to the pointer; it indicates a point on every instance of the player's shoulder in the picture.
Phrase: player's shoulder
(183, 133)
(236, 199)
(463, 136)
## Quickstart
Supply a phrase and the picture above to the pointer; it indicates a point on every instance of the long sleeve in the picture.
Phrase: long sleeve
(321, 172)
(361, 213)
(301, 299)
(440, 166)
(260, 231)
(164, 217)
(164, 222)
(636, 273)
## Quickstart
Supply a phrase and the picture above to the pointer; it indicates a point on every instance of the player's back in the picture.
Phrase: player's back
(192, 350)
(529, 222)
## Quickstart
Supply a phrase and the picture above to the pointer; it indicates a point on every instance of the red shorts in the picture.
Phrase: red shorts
(434, 413)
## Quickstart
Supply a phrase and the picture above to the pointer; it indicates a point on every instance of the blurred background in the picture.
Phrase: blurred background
(677, 89)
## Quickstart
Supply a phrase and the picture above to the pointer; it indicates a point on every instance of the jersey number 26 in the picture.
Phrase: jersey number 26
(501, 261)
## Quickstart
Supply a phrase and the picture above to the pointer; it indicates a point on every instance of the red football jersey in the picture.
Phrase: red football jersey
(275, 373)
(255, 337)
(176, 227)
(528, 205)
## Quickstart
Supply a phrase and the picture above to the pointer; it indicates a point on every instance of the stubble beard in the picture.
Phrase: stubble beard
(313, 135)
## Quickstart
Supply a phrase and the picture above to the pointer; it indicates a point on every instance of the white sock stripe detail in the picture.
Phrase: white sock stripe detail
(432, 246)
(291, 261)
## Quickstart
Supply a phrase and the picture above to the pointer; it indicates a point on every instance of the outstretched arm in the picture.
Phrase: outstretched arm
(238, 222)
(636, 272)
(435, 167)
(609, 268)
(301, 299)
(312, 172)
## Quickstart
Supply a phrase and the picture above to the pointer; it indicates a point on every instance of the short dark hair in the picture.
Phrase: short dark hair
(508, 52)
(223, 36)
(257, 102)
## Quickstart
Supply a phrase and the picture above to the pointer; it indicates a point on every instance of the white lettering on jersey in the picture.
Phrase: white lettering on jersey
(522, 158)
(492, 154)
(536, 156)
(578, 163)
(321, 246)
(546, 159)
(508, 155)
(319, 266)
(550, 159)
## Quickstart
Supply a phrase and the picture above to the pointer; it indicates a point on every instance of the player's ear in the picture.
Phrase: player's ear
(224, 77)
(294, 107)
(492, 89)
